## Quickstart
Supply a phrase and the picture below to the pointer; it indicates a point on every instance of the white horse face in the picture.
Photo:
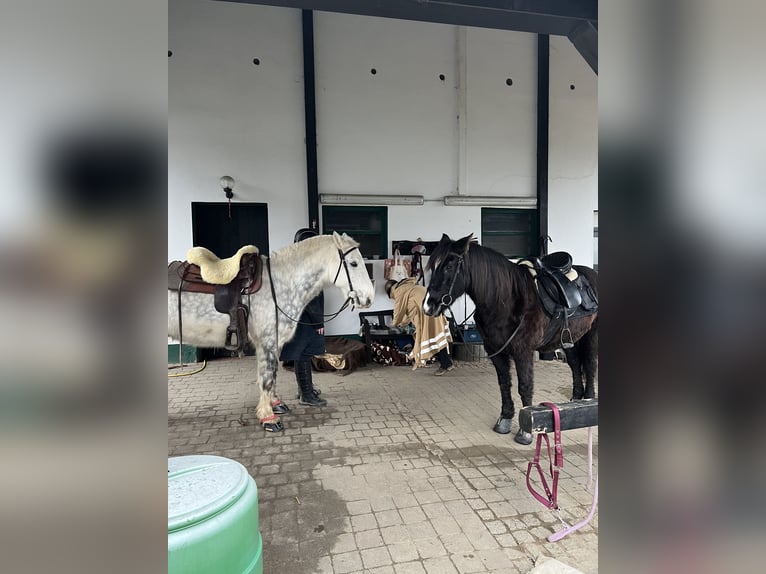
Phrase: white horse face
(360, 288)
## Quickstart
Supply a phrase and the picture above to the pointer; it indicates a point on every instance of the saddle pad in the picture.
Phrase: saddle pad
(215, 270)
(572, 275)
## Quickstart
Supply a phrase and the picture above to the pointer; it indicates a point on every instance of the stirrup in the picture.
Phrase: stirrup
(232, 333)
(566, 344)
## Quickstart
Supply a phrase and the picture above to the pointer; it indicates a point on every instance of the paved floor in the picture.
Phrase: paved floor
(400, 473)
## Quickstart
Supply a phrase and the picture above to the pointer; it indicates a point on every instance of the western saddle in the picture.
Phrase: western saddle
(228, 280)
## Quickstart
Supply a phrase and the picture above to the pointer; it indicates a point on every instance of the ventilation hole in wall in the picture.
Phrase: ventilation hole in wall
(508, 82)
(170, 53)
(441, 77)
(571, 86)
(257, 61)
(373, 71)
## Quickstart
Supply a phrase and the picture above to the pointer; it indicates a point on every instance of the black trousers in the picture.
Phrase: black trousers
(445, 361)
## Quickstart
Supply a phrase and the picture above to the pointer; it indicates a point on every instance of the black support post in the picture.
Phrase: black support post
(543, 100)
(309, 98)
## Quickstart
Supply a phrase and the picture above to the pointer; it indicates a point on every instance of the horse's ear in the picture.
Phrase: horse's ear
(462, 245)
(337, 238)
(445, 240)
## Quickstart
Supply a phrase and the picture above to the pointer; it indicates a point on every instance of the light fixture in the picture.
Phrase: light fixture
(227, 183)
(502, 200)
(361, 199)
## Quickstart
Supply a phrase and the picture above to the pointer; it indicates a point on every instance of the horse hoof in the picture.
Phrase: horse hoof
(503, 426)
(523, 437)
(280, 409)
(273, 427)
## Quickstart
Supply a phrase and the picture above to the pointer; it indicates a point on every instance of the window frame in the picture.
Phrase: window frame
(532, 233)
(380, 210)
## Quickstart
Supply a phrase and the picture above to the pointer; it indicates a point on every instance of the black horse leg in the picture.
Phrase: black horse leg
(525, 375)
(503, 368)
(588, 351)
(573, 360)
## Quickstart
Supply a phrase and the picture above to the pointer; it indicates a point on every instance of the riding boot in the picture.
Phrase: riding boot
(309, 395)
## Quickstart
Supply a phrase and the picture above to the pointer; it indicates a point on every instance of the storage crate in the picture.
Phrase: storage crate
(468, 352)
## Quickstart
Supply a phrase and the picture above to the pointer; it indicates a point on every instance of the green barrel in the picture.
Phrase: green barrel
(212, 517)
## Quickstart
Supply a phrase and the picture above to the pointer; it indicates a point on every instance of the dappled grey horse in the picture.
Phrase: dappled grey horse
(292, 277)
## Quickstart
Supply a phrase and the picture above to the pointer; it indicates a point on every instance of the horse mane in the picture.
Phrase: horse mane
(491, 276)
(312, 245)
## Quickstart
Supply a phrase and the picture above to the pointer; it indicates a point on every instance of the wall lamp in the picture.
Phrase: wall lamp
(227, 184)
(360, 199)
(505, 201)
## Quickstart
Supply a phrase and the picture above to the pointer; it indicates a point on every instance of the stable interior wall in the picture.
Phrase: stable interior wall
(402, 130)
(228, 116)
(573, 152)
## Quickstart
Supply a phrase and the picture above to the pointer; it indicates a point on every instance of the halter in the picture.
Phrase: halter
(556, 462)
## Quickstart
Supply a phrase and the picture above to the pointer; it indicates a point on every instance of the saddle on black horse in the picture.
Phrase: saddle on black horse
(228, 280)
(564, 293)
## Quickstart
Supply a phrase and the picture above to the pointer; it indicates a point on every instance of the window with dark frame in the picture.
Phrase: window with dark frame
(512, 232)
(367, 224)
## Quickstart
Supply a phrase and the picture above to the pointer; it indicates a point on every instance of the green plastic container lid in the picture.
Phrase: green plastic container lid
(212, 517)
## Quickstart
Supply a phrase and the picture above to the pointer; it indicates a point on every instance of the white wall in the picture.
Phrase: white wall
(390, 133)
(501, 119)
(395, 131)
(228, 116)
(573, 156)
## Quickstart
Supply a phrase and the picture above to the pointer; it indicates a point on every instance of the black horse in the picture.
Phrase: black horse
(511, 319)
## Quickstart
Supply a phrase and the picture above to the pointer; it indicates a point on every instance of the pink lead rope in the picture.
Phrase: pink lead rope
(556, 463)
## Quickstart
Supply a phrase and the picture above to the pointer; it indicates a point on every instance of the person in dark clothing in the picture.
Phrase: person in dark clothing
(307, 342)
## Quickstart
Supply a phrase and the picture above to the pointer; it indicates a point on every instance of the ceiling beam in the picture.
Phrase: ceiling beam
(585, 39)
(555, 17)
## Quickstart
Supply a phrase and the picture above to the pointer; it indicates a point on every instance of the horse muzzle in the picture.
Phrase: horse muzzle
(430, 307)
(360, 301)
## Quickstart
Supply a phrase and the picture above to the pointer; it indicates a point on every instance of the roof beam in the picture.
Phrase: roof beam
(556, 17)
(585, 39)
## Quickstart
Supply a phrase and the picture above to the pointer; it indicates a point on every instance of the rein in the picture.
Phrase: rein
(447, 301)
(508, 341)
(332, 316)
(550, 499)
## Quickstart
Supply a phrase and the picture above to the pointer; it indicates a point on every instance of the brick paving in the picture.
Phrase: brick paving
(400, 473)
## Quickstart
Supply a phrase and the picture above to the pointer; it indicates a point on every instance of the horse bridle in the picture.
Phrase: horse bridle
(447, 298)
(349, 299)
(344, 264)
(447, 301)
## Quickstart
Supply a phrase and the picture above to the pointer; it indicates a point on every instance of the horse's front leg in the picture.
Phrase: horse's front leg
(503, 368)
(267, 378)
(525, 373)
